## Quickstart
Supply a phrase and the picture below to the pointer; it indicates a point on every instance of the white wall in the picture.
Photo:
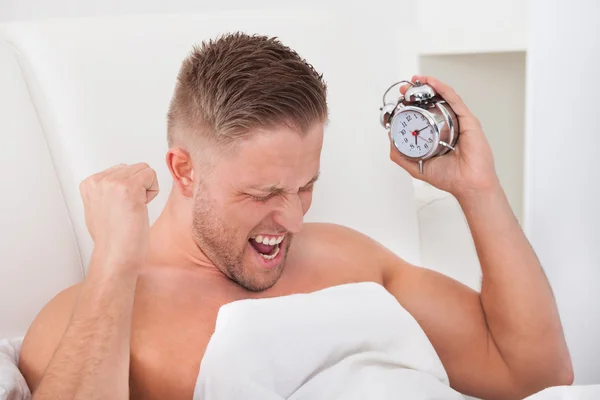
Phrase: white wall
(562, 179)
(499, 104)
(15, 10)
(468, 26)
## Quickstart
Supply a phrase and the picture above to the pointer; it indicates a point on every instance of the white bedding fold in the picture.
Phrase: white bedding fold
(352, 341)
(12, 383)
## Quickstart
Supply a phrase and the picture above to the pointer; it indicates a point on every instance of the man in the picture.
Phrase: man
(245, 132)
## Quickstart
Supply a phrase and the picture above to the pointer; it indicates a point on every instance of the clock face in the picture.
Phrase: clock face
(412, 133)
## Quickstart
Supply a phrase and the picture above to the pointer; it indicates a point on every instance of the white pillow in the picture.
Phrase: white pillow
(12, 383)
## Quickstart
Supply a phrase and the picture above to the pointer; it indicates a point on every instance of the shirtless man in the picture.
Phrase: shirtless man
(245, 134)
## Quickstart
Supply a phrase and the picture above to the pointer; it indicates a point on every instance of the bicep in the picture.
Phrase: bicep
(44, 335)
(453, 319)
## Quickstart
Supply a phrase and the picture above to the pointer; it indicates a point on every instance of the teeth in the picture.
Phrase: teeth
(272, 256)
(269, 241)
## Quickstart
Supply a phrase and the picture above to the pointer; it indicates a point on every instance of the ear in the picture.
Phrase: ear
(180, 164)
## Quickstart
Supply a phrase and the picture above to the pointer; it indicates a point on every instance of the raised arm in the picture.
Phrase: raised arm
(506, 342)
(91, 360)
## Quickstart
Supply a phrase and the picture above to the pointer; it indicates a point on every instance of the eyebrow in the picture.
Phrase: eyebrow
(278, 189)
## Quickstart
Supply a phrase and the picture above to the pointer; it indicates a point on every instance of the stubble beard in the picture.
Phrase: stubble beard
(220, 244)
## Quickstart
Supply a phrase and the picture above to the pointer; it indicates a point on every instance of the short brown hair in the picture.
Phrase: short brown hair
(238, 82)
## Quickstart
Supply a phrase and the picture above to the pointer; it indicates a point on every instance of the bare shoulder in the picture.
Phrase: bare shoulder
(336, 235)
(44, 335)
(346, 249)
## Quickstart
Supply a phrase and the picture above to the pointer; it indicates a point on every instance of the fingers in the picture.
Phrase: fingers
(447, 93)
(127, 171)
(135, 168)
(147, 178)
(404, 88)
(137, 174)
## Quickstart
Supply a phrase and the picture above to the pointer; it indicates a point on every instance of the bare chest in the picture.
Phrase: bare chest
(171, 328)
(174, 319)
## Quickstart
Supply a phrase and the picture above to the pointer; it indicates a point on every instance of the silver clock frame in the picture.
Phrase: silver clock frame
(438, 114)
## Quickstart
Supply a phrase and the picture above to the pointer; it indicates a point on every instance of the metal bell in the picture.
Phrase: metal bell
(386, 113)
(419, 93)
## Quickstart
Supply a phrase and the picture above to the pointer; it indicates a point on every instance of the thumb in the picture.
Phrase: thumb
(153, 190)
(147, 178)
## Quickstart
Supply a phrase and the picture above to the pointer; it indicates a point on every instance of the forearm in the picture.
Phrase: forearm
(92, 359)
(516, 297)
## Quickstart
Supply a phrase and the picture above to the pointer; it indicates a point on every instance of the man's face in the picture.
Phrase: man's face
(258, 192)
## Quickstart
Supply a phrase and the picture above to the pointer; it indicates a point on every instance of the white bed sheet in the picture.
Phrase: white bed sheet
(12, 383)
(589, 392)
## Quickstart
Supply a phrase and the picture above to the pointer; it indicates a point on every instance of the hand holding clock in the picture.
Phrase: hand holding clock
(467, 170)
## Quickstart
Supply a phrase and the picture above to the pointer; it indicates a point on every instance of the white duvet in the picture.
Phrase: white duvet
(347, 342)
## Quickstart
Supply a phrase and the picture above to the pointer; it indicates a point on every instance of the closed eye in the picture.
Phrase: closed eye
(262, 199)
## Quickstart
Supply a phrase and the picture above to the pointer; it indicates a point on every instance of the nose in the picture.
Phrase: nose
(290, 215)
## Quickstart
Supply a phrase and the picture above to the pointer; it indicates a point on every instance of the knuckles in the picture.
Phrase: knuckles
(109, 183)
(119, 188)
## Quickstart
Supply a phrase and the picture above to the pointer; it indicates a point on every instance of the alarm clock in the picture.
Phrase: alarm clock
(421, 124)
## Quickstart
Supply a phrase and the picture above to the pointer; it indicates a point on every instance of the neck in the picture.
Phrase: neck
(171, 237)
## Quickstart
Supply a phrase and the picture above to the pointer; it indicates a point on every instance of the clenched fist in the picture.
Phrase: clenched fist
(115, 204)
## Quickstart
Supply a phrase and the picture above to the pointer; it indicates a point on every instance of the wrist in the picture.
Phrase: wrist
(111, 263)
(482, 192)
(106, 283)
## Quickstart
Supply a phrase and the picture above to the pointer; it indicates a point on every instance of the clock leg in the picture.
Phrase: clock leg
(446, 145)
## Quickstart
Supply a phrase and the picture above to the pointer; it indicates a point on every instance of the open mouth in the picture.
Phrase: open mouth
(266, 246)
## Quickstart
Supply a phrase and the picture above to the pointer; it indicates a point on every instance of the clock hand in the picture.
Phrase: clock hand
(416, 134)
